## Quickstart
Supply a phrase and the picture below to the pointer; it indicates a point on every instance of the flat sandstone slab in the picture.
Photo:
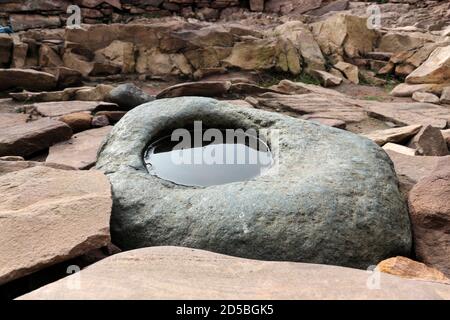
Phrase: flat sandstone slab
(27, 79)
(12, 119)
(48, 216)
(13, 165)
(381, 137)
(413, 168)
(315, 105)
(410, 169)
(182, 273)
(81, 150)
(59, 108)
(27, 138)
(408, 113)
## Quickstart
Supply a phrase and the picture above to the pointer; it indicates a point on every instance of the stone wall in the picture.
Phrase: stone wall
(180, 48)
(25, 15)
(190, 48)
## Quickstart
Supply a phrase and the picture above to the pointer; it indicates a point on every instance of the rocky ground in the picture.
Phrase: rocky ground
(63, 89)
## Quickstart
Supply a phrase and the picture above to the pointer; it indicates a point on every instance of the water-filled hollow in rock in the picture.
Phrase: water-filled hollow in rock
(203, 160)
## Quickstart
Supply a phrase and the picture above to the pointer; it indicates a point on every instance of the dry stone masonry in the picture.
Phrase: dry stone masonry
(52, 13)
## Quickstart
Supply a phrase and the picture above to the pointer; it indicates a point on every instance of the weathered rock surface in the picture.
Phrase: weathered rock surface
(425, 97)
(406, 114)
(182, 273)
(326, 79)
(257, 5)
(12, 120)
(44, 96)
(410, 169)
(153, 61)
(303, 40)
(81, 150)
(330, 122)
(10, 165)
(344, 34)
(55, 109)
(127, 96)
(113, 116)
(19, 54)
(201, 89)
(435, 70)
(300, 88)
(183, 48)
(66, 77)
(97, 93)
(247, 103)
(6, 44)
(273, 207)
(78, 121)
(430, 217)
(32, 21)
(246, 89)
(407, 268)
(48, 57)
(48, 216)
(446, 135)
(99, 121)
(77, 62)
(12, 158)
(31, 137)
(27, 79)
(288, 6)
(257, 54)
(445, 96)
(314, 105)
(397, 135)
(407, 90)
(337, 5)
(120, 53)
(350, 71)
(403, 69)
(400, 149)
(401, 41)
(429, 142)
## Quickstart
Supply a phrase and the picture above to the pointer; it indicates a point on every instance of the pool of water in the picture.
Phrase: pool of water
(204, 162)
